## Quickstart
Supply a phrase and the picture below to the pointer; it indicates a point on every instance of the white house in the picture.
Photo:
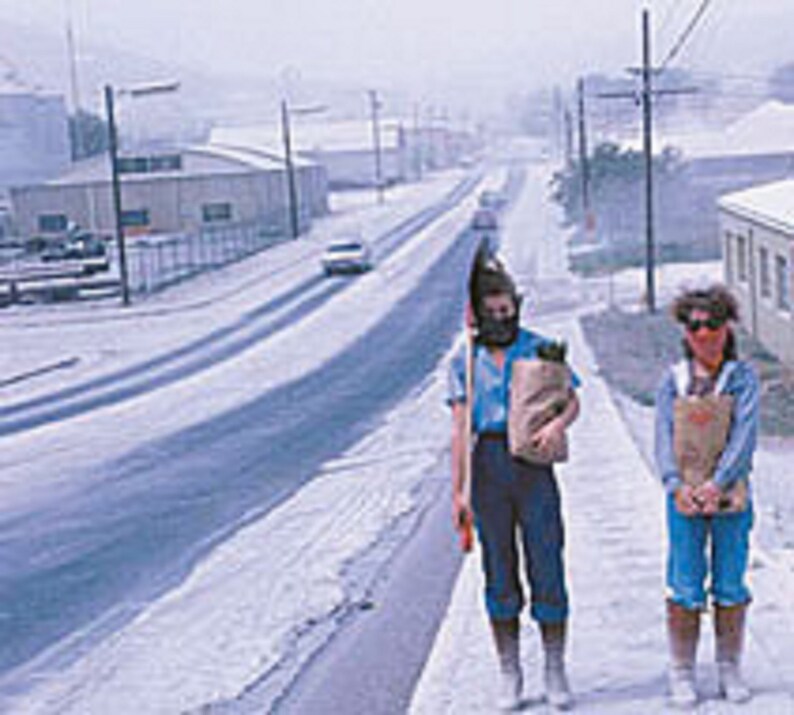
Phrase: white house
(757, 228)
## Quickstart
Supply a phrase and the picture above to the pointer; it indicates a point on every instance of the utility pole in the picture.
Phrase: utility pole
(584, 162)
(556, 121)
(645, 99)
(417, 144)
(375, 106)
(568, 137)
(647, 143)
(116, 189)
(292, 192)
(77, 137)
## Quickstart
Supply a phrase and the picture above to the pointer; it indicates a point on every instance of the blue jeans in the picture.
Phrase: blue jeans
(688, 563)
(510, 498)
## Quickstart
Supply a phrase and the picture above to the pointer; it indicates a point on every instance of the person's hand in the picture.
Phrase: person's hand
(709, 496)
(686, 500)
(461, 511)
(550, 438)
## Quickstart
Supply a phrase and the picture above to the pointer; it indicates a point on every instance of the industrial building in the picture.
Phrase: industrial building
(179, 191)
(757, 229)
(347, 148)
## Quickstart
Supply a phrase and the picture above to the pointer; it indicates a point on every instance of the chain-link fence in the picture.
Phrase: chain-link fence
(155, 262)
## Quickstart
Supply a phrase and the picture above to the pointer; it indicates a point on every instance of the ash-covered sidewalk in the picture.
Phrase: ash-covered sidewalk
(615, 551)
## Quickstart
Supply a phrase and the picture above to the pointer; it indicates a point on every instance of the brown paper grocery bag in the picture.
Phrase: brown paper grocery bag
(539, 391)
(700, 432)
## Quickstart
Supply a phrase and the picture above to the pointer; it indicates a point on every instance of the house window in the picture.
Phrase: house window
(741, 257)
(765, 273)
(783, 283)
(53, 223)
(135, 218)
(212, 213)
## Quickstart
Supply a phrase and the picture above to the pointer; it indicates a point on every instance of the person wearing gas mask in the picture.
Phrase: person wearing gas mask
(707, 416)
(512, 501)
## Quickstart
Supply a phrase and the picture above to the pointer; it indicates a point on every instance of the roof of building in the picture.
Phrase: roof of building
(308, 136)
(768, 204)
(203, 160)
(11, 85)
(766, 131)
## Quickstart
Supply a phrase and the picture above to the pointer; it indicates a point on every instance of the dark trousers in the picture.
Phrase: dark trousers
(514, 500)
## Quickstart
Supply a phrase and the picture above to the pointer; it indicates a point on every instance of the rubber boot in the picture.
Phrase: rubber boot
(558, 692)
(683, 628)
(729, 631)
(506, 640)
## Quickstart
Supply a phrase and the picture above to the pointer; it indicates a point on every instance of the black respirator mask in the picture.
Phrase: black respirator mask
(498, 332)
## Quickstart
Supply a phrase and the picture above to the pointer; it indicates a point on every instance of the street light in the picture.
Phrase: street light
(292, 189)
(134, 92)
(375, 107)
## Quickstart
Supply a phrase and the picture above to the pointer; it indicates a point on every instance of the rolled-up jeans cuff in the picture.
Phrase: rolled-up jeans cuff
(546, 613)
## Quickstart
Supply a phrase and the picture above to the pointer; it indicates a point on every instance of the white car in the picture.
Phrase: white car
(347, 255)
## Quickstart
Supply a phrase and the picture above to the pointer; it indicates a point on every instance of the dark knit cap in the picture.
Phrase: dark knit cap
(489, 277)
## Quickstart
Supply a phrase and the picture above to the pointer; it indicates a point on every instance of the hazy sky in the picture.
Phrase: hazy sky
(423, 43)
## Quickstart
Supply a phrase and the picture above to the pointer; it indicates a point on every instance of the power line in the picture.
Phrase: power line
(671, 11)
(690, 28)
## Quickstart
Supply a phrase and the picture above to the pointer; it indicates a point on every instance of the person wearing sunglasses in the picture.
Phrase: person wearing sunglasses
(709, 388)
(511, 499)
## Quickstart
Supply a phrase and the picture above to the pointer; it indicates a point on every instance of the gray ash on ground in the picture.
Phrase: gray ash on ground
(634, 349)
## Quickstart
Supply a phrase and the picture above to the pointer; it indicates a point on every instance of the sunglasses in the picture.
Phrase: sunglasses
(693, 325)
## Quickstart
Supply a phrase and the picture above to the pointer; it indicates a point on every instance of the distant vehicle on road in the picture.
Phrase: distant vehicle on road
(83, 247)
(485, 220)
(491, 199)
(347, 255)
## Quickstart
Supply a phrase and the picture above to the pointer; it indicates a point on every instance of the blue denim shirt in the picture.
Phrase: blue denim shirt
(736, 461)
(491, 385)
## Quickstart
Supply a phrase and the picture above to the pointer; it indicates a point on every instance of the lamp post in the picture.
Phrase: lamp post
(292, 188)
(375, 106)
(118, 214)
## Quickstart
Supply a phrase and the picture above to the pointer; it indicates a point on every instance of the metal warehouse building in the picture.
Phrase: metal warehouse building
(172, 192)
(345, 149)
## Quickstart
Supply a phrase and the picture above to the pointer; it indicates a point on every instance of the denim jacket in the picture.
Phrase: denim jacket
(492, 385)
(736, 461)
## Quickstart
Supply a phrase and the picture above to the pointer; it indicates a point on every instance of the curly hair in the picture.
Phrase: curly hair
(718, 302)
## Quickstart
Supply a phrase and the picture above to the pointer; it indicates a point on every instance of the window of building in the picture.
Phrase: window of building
(133, 165)
(741, 257)
(216, 212)
(53, 223)
(764, 272)
(149, 164)
(165, 162)
(783, 283)
(135, 217)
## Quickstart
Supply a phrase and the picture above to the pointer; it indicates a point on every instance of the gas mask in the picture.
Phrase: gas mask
(497, 332)
(499, 329)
